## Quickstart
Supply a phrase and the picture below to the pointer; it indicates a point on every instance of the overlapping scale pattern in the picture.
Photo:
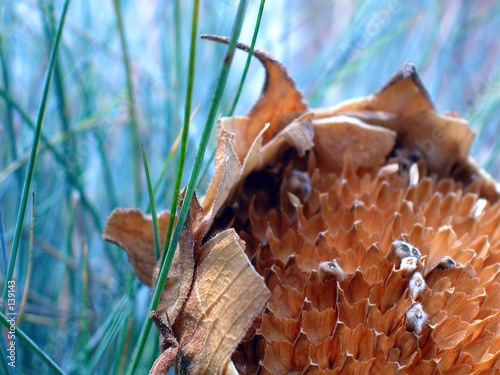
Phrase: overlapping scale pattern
(372, 232)
(368, 309)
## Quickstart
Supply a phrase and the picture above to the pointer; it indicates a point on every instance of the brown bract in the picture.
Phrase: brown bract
(356, 239)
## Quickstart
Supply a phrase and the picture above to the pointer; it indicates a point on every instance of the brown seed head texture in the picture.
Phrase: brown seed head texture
(372, 240)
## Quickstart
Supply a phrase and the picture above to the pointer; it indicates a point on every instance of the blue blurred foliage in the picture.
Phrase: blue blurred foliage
(334, 50)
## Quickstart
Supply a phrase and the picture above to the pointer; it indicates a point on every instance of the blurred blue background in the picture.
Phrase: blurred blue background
(334, 50)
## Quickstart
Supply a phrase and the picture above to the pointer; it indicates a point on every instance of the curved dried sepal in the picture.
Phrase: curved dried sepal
(280, 101)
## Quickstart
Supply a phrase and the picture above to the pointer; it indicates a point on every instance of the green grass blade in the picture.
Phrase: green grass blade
(167, 260)
(117, 323)
(240, 86)
(72, 177)
(27, 283)
(3, 362)
(156, 227)
(8, 114)
(205, 169)
(108, 176)
(3, 246)
(123, 344)
(31, 165)
(177, 63)
(170, 155)
(185, 128)
(31, 344)
(134, 133)
(86, 304)
(249, 57)
(166, 164)
(62, 106)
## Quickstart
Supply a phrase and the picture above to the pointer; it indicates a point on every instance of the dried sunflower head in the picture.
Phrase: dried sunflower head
(356, 239)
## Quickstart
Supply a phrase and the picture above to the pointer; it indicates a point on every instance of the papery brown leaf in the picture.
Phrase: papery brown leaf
(133, 231)
(368, 145)
(226, 296)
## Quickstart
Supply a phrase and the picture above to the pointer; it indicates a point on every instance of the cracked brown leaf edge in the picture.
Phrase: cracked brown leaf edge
(213, 294)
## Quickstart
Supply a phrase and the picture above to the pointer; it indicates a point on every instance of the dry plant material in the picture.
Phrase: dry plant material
(356, 239)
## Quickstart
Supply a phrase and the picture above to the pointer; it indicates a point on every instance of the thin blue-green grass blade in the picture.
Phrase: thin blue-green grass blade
(123, 341)
(177, 63)
(62, 106)
(152, 204)
(491, 103)
(31, 344)
(110, 335)
(185, 128)
(102, 331)
(3, 362)
(249, 57)
(204, 172)
(31, 164)
(167, 260)
(169, 158)
(134, 133)
(166, 164)
(108, 176)
(73, 179)
(481, 111)
(59, 271)
(8, 113)
(3, 247)
(240, 86)
(488, 165)
(85, 331)
(27, 283)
